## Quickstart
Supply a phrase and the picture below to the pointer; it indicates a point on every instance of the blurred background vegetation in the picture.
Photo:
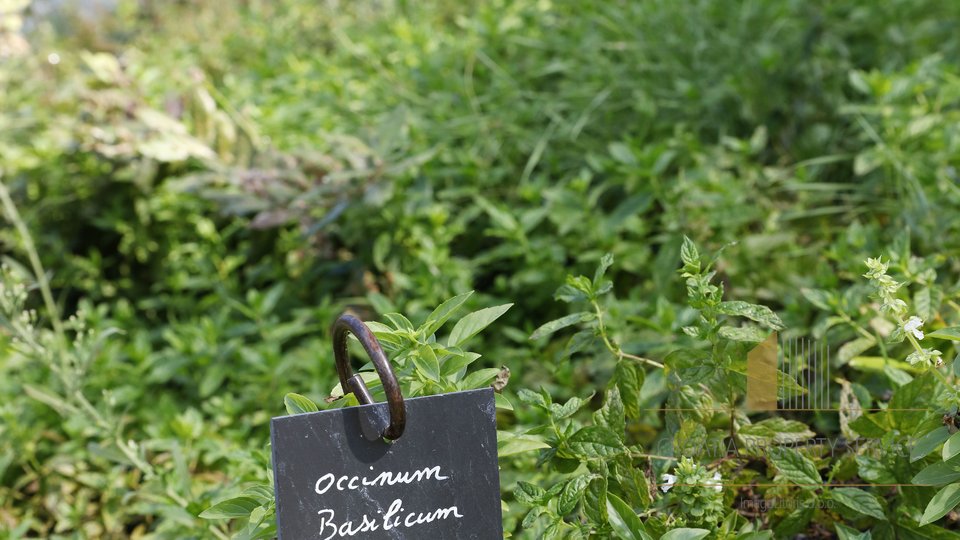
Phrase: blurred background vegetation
(209, 183)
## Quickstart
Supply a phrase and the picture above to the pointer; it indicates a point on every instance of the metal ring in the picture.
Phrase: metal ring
(349, 380)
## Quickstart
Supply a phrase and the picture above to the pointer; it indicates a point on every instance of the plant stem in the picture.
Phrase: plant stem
(11, 210)
(613, 347)
(54, 313)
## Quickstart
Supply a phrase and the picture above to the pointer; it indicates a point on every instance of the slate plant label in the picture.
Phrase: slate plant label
(439, 480)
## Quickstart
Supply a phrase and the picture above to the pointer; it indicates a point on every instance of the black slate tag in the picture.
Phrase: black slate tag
(438, 480)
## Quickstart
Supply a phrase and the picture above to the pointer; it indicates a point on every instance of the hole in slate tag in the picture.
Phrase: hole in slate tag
(374, 420)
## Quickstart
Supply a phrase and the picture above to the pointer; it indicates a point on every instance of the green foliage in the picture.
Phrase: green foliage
(638, 193)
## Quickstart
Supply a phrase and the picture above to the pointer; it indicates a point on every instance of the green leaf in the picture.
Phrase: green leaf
(684, 358)
(908, 531)
(605, 263)
(878, 363)
(690, 439)
(928, 443)
(595, 499)
(689, 255)
(479, 378)
(571, 493)
(529, 494)
(629, 377)
(595, 441)
(913, 395)
(622, 153)
(625, 522)
(612, 413)
(754, 312)
(473, 323)
(859, 501)
(502, 402)
(874, 470)
(868, 426)
(944, 501)
(795, 467)
(632, 481)
(952, 446)
(231, 508)
(747, 334)
(442, 313)
(755, 535)
(390, 339)
(456, 362)
(576, 288)
(846, 533)
(952, 333)
(775, 430)
(569, 408)
(262, 493)
(426, 362)
(923, 303)
(297, 404)
(685, 534)
(794, 522)
(819, 298)
(532, 516)
(532, 398)
(548, 328)
(854, 348)
(939, 474)
(509, 444)
(399, 321)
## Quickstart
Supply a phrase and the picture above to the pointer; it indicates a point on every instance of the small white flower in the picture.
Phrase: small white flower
(939, 362)
(669, 480)
(717, 478)
(913, 325)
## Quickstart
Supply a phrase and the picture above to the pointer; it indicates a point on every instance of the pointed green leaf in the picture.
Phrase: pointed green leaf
(480, 378)
(952, 333)
(952, 446)
(685, 534)
(629, 377)
(297, 404)
(625, 522)
(795, 467)
(571, 494)
(442, 313)
(529, 494)
(846, 533)
(605, 263)
(612, 413)
(689, 255)
(473, 323)
(775, 430)
(557, 324)
(860, 501)
(509, 444)
(928, 443)
(426, 362)
(748, 334)
(595, 441)
(939, 474)
(237, 507)
(944, 501)
(754, 312)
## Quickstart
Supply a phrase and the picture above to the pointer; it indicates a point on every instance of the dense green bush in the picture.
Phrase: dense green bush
(194, 191)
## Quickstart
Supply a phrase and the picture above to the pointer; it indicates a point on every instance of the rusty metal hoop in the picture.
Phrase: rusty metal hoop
(350, 381)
